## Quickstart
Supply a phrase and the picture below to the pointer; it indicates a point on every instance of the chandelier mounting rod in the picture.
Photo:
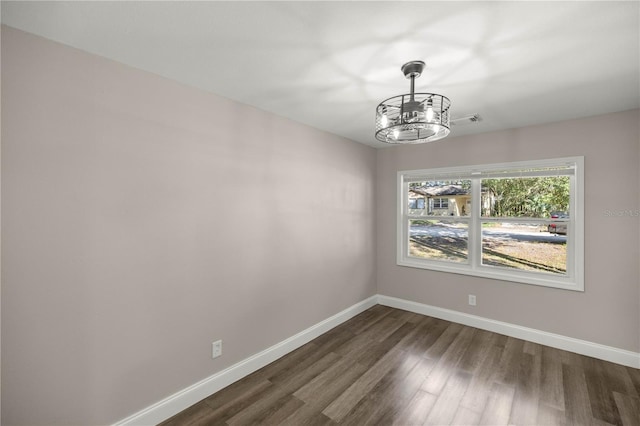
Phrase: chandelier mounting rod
(413, 70)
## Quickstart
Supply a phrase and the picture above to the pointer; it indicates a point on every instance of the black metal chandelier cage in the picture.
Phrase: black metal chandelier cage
(413, 117)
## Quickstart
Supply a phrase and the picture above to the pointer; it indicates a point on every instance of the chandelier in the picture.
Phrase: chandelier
(414, 117)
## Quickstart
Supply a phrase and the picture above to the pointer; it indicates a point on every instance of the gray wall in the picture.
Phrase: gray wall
(143, 219)
(608, 312)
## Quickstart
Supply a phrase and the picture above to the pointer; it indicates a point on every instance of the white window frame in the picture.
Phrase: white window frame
(571, 166)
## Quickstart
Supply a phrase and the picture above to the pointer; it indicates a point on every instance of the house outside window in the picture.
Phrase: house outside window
(497, 221)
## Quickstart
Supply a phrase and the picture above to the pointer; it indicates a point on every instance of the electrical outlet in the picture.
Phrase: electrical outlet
(472, 299)
(216, 349)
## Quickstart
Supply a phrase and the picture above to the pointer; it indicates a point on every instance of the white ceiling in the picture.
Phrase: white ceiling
(328, 64)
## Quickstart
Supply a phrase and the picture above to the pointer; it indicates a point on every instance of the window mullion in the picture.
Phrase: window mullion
(475, 228)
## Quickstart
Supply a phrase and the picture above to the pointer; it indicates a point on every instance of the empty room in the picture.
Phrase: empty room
(320, 212)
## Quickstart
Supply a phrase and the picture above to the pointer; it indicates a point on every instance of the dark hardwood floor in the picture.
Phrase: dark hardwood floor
(391, 367)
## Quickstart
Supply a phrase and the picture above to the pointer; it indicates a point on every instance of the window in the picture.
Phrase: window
(416, 203)
(440, 203)
(520, 222)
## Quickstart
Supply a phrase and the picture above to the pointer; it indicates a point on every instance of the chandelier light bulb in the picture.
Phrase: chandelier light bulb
(429, 114)
(384, 121)
(396, 133)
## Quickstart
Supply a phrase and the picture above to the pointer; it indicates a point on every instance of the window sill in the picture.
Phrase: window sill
(491, 272)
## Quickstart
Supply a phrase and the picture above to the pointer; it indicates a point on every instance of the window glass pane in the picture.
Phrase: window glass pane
(525, 197)
(522, 246)
(440, 198)
(438, 240)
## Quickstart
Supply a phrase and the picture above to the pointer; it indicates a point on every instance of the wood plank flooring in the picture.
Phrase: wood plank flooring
(391, 367)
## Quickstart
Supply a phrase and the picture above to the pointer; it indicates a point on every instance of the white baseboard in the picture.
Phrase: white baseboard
(583, 347)
(185, 398)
